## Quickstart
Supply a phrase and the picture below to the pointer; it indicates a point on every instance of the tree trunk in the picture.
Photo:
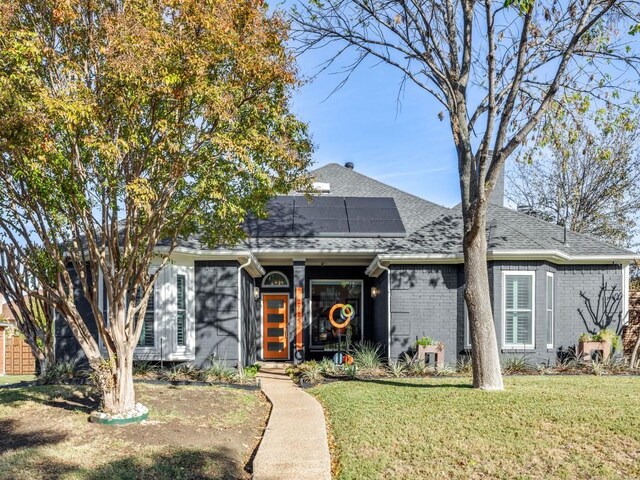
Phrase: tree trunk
(116, 383)
(487, 374)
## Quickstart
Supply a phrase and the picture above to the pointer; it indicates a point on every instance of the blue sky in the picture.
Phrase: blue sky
(404, 145)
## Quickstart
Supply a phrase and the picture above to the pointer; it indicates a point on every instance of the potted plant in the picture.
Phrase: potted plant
(426, 345)
(603, 342)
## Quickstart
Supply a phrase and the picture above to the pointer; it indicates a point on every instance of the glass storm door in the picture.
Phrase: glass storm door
(275, 345)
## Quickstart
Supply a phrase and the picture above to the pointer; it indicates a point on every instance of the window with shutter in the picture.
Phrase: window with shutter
(518, 309)
(549, 304)
(147, 337)
(181, 330)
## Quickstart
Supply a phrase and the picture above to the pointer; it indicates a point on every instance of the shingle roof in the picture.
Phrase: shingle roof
(414, 211)
(507, 230)
(432, 228)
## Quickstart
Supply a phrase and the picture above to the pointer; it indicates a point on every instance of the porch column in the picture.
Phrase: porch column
(299, 310)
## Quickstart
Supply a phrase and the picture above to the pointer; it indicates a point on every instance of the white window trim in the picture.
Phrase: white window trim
(467, 327)
(551, 276)
(264, 279)
(330, 282)
(514, 346)
(157, 292)
(165, 315)
(179, 352)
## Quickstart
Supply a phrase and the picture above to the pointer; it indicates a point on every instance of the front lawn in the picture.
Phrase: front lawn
(540, 427)
(192, 432)
(11, 379)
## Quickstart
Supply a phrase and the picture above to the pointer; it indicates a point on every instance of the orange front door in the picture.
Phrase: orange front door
(275, 312)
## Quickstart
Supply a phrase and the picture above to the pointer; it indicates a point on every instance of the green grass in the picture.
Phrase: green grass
(10, 379)
(540, 427)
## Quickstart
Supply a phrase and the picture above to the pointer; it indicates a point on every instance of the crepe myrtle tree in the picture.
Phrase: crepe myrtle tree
(128, 123)
(32, 315)
(494, 67)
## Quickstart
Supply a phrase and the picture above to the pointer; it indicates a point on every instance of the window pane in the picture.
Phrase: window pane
(549, 310)
(518, 294)
(181, 314)
(275, 279)
(518, 328)
(275, 304)
(324, 295)
(275, 318)
(181, 285)
(147, 337)
(275, 332)
(275, 346)
(181, 337)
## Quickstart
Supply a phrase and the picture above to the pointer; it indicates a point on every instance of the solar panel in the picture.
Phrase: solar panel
(329, 216)
(376, 215)
(279, 221)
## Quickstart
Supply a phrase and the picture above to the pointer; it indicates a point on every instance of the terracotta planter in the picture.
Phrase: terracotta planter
(586, 349)
(436, 350)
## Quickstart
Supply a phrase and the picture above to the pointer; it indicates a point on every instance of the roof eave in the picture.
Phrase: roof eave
(241, 256)
(554, 256)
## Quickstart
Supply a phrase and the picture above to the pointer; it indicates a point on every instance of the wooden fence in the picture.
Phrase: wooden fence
(18, 357)
(632, 329)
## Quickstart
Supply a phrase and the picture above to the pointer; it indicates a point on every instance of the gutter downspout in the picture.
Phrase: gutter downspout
(240, 268)
(386, 269)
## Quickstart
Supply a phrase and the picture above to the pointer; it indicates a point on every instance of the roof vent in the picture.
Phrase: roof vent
(322, 187)
(349, 165)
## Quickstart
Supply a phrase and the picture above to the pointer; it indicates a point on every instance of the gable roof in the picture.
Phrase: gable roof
(414, 211)
(433, 231)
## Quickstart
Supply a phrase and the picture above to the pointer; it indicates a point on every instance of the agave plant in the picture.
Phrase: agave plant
(366, 356)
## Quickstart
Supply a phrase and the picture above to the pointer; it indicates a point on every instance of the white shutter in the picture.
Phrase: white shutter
(518, 309)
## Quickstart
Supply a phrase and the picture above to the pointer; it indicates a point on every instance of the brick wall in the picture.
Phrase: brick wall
(216, 296)
(427, 300)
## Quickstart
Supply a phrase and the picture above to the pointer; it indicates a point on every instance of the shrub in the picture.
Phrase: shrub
(327, 367)
(351, 371)
(446, 370)
(424, 341)
(64, 372)
(312, 372)
(397, 368)
(414, 365)
(173, 374)
(246, 374)
(604, 335)
(464, 366)
(219, 370)
(144, 368)
(366, 356)
(607, 335)
(516, 364)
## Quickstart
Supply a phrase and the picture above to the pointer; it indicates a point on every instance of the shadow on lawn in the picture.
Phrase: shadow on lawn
(395, 383)
(65, 397)
(10, 439)
(184, 464)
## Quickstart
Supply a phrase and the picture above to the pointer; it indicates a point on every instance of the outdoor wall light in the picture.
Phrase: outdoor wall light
(375, 291)
(256, 293)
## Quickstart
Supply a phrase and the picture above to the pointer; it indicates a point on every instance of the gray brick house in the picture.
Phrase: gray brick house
(367, 261)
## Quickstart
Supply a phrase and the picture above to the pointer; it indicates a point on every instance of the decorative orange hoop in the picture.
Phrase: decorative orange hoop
(347, 313)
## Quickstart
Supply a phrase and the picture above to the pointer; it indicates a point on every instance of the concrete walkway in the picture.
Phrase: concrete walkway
(295, 442)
